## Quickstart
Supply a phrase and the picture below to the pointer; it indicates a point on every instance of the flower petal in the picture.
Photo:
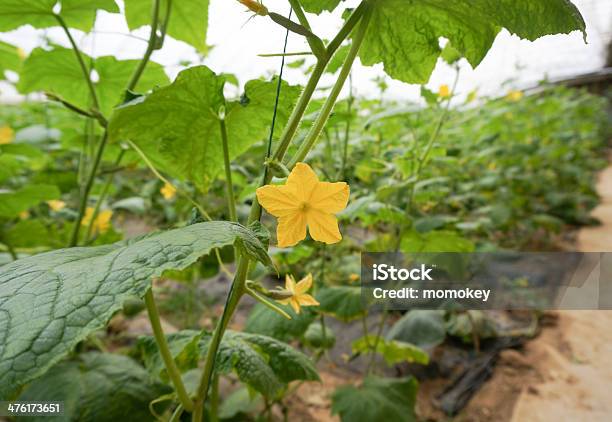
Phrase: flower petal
(291, 229)
(279, 201)
(304, 180)
(330, 197)
(295, 305)
(323, 226)
(304, 285)
(307, 300)
(290, 284)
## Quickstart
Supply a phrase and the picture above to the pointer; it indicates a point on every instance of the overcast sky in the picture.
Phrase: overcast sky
(237, 42)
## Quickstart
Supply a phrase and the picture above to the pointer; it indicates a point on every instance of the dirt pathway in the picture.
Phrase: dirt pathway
(571, 363)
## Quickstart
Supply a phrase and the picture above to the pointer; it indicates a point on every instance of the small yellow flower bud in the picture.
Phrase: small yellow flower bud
(56, 205)
(444, 91)
(514, 95)
(102, 222)
(168, 191)
(6, 135)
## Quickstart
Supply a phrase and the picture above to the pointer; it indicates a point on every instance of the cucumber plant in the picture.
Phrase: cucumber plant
(188, 134)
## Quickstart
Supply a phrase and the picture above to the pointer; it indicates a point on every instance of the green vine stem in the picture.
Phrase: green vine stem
(330, 102)
(10, 250)
(266, 302)
(102, 196)
(381, 326)
(176, 415)
(231, 201)
(300, 108)
(82, 65)
(151, 46)
(162, 344)
(74, 238)
(233, 297)
(347, 129)
(315, 43)
(238, 285)
(423, 158)
(317, 73)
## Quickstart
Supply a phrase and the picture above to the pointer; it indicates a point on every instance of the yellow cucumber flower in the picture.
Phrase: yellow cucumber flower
(444, 91)
(300, 297)
(56, 205)
(303, 202)
(102, 222)
(168, 191)
(6, 135)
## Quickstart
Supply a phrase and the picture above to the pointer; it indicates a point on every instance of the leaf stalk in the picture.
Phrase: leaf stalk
(151, 46)
(330, 102)
(162, 344)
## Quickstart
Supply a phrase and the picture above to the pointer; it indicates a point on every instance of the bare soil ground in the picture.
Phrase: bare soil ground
(573, 359)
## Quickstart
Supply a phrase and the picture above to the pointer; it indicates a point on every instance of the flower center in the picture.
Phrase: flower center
(304, 206)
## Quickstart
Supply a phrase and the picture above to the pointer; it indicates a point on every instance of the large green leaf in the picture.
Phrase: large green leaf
(377, 399)
(241, 402)
(188, 19)
(405, 35)
(264, 363)
(10, 166)
(9, 58)
(185, 138)
(17, 157)
(57, 71)
(319, 336)
(79, 14)
(97, 387)
(26, 234)
(424, 328)
(263, 320)
(52, 301)
(318, 6)
(392, 351)
(12, 203)
(342, 302)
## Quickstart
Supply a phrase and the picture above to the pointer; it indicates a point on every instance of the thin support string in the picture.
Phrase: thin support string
(278, 93)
